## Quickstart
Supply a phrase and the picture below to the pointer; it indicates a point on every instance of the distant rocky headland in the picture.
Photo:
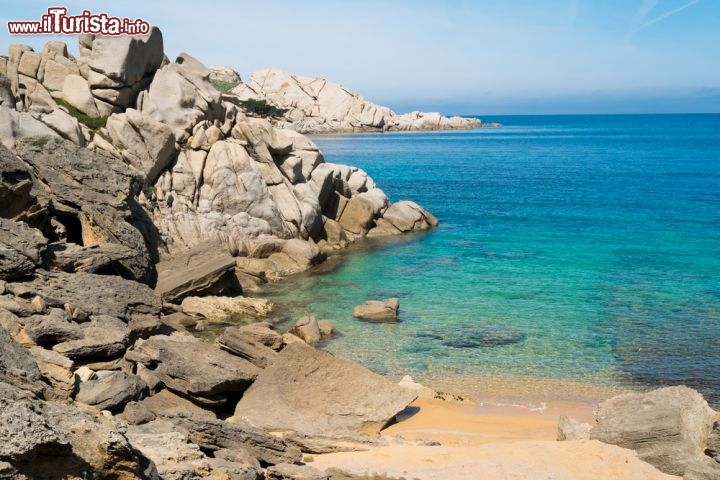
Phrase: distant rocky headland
(315, 105)
(140, 203)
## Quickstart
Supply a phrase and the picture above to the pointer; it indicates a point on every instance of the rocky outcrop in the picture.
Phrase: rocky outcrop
(669, 428)
(21, 248)
(314, 105)
(193, 368)
(378, 310)
(310, 391)
(75, 202)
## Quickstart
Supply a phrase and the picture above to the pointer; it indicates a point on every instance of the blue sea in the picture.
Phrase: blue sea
(570, 247)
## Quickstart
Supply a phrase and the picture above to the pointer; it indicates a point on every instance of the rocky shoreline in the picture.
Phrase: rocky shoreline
(137, 204)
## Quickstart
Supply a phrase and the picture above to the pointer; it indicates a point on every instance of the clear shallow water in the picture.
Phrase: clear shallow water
(573, 247)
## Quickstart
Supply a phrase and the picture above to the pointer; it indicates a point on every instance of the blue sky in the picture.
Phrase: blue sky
(486, 57)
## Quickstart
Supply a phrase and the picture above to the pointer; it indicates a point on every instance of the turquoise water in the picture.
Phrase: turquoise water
(573, 247)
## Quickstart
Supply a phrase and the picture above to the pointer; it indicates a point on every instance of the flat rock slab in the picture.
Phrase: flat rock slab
(111, 392)
(378, 310)
(237, 342)
(194, 368)
(213, 434)
(93, 294)
(203, 270)
(311, 392)
(226, 309)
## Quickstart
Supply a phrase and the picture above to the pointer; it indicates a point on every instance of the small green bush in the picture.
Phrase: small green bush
(223, 87)
(254, 107)
(39, 141)
(94, 123)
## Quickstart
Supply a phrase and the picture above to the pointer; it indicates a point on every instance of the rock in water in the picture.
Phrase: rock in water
(308, 329)
(378, 310)
(668, 427)
(311, 392)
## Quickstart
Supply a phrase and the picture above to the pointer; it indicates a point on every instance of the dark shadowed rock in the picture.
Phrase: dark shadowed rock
(21, 248)
(164, 403)
(92, 203)
(237, 342)
(377, 310)
(112, 391)
(212, 434)
(17, 366)
(93, 294)
(55, 327)
(15, 185)
(668, 427)
(311, 392)
(193, 368)
(103, 338)
(207, 269)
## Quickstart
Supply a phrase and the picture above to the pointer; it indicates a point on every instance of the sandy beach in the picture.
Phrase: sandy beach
(501, 436)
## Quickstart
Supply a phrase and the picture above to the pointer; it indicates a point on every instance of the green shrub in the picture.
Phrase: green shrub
(94, 123)
(39, 141)
(255, 107)
(223, 87)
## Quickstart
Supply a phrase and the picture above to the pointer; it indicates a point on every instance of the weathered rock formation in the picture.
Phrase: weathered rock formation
(314, 105)
(669, 428)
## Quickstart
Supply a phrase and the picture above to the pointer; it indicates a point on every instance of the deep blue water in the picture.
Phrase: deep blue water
(573, 247)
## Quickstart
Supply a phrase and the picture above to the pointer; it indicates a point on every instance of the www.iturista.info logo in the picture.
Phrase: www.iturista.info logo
(57, 21)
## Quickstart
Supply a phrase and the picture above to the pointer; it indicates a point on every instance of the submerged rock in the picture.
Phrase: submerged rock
(378, 310)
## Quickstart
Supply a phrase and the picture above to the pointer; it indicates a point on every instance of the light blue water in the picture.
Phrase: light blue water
(575, 247)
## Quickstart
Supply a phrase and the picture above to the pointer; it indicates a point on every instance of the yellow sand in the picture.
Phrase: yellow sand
(503, 436)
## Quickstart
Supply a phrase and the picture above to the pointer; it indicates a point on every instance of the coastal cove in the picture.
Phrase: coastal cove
(576, 248)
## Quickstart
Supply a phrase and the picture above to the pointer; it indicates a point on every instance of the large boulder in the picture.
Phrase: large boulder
(309, 391)
(668, 427)
(145, 143)
(124, 59)
(205, 269)
(112, 391)
(193, 368)
(180, 96)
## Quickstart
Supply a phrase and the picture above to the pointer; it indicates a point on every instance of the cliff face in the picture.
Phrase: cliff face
(205, 170)
(314, 105)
